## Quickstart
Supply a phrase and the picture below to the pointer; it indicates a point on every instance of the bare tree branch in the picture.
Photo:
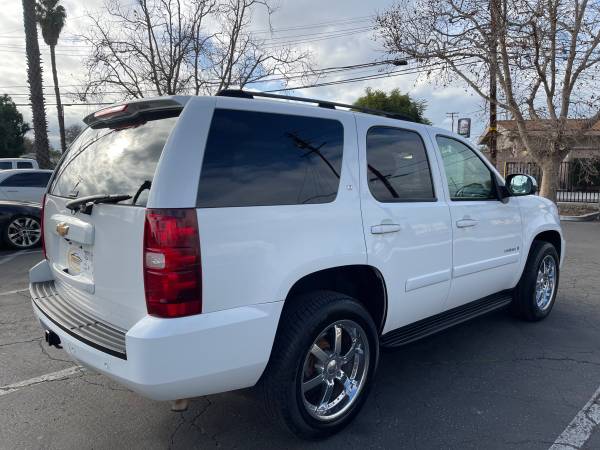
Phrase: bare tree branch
(166, 47)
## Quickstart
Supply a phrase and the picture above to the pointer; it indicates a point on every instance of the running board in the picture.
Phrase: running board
(446, 319)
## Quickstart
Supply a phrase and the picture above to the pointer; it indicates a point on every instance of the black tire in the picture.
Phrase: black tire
(524, 304)
(26, 244)
(300, 326)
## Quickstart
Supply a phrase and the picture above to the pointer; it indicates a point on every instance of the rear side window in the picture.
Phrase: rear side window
(113, 161)
(259, 159)
(24, 165)
(397, 166)
(39, 180)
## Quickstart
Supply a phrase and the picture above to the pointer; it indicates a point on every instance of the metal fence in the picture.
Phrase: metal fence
(575, 183)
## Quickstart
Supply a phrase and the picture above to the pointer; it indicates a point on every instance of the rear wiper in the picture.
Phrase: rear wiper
(85, 204)
(147, 184)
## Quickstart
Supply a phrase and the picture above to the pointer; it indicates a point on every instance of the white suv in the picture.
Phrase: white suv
(18, 163)
(195, 245)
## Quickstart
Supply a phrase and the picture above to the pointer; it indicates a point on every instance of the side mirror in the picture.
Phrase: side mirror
(519, 184)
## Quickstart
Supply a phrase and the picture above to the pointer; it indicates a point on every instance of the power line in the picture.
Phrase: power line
(71, 104)
(432, 66)
(323, 72)
(391, 74)
(271, 40)
(317, 25)
(265, 44)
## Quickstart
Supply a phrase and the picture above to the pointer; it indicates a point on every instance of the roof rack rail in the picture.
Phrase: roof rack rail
(239, 93)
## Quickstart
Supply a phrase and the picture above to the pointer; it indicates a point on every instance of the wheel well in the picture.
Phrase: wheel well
(553, 237)
(361, 282)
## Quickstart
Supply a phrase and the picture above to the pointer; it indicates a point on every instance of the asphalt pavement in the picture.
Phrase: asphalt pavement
(494, 382)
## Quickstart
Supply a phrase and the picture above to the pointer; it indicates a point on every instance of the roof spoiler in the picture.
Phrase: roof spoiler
(124, 113)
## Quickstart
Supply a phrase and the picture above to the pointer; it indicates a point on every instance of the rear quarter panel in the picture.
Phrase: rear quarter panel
(255, 254)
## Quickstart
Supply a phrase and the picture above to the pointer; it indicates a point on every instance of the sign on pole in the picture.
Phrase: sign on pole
(464, 127)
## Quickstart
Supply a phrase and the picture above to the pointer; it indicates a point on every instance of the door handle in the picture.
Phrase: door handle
(385, 228)
(466, 223)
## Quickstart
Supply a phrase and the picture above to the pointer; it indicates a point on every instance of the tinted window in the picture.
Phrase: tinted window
(24, 165)
(468, 176)
(29, 179)
(5, 165)
(397, 166)
(254, 159)
(113, 161)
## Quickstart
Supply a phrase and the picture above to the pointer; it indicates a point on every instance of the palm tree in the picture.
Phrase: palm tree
(51, 17)
(34, 77)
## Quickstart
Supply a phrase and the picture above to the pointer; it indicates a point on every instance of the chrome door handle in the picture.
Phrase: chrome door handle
(385, 228)
(466, 223)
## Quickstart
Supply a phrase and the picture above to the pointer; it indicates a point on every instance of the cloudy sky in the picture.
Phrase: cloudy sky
(345, 37)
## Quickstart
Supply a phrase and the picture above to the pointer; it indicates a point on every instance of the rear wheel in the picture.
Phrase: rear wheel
(22, 232)
(536, 292)
(322, 364)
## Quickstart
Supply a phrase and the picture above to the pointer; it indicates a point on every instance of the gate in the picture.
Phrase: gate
(573, 184)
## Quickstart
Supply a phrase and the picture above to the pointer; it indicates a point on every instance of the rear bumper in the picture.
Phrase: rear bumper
(168, 359)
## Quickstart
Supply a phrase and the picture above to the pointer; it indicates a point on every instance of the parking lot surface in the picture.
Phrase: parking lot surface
(491, 383)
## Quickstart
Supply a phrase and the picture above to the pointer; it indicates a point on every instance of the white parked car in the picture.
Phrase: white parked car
(196, 245)
(18, 163)
(24, 185)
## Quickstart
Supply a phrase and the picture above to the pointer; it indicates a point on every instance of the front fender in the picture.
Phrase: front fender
(538, 215)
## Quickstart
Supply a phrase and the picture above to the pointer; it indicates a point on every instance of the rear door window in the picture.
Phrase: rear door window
(259, 159)
(5, 165)
(113, 161)
(397, 166)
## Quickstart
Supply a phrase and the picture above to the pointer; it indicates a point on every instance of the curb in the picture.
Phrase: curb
(584, 218)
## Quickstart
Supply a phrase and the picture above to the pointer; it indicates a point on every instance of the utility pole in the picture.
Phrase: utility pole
(452, 115)
(493, 88)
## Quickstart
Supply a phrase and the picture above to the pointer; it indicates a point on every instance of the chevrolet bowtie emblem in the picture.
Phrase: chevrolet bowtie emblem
(62, 229)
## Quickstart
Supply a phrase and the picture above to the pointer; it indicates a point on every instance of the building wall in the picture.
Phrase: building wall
(511, 150)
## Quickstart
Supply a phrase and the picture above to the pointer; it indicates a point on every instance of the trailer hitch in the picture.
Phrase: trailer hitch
(52, 339)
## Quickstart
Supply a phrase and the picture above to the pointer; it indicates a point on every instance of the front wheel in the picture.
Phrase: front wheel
(322, 364)
(536, 292)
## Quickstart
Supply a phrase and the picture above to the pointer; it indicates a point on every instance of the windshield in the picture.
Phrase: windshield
(113, 161)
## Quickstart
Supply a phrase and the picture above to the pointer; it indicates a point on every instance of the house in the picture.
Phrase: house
(586, 143)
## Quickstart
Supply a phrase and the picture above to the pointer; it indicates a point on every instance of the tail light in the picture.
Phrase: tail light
(42, 227)
(172, 270)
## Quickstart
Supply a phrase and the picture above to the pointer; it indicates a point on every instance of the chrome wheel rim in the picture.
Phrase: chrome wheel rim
(335, 370)
(545, 283)
(24, 232)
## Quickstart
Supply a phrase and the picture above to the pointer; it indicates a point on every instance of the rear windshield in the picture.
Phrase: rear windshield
(113, 161)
